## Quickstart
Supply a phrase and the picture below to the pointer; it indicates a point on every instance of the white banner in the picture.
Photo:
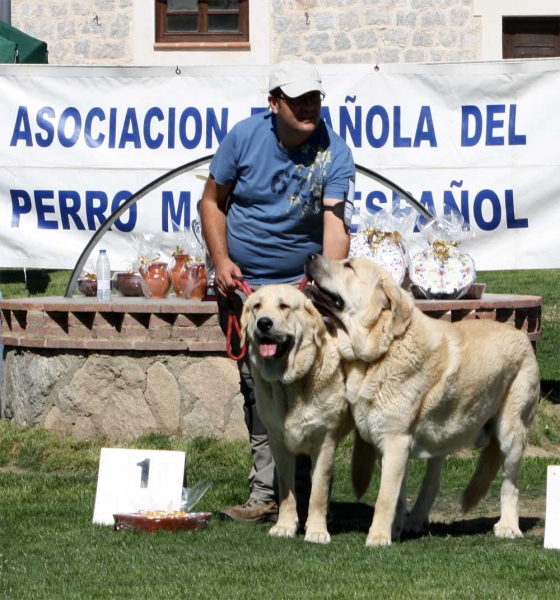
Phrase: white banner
(76, 142)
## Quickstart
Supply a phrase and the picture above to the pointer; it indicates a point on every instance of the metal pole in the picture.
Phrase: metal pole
(6, 11)
(121, 210)
(189, 167)
(397, 189)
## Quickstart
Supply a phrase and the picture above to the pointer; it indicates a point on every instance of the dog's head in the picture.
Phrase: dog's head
(364, 299)
(284, 332)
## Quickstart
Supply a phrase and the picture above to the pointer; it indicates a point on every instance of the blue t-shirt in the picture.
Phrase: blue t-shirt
(275, 216)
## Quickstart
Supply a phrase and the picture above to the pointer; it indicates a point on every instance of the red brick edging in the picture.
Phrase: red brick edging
(176, 324)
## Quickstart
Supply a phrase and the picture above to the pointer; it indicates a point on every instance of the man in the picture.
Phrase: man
(281, 187)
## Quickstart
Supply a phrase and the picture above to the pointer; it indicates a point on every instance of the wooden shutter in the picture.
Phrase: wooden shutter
(531, 37)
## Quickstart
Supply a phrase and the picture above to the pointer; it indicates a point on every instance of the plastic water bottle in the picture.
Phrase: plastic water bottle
(103, 272)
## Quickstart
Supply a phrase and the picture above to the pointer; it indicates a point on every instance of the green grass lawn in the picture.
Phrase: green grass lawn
(50, 549)
(543, 283)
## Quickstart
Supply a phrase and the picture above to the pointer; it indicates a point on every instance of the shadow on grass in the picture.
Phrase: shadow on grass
(476, 526)
(350, 516)
(357, 516)
(550, 390)
(35, 280)
(38, 282)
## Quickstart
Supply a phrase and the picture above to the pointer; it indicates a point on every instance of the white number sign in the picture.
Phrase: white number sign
(133, 480)
(552, 520)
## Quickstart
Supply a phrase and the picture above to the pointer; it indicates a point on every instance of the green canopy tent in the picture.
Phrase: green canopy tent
(18, 47)
(7, 51)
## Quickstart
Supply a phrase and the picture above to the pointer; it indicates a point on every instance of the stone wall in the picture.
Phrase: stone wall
(328, 31)
(72, 33)
(123, 395)
(375, 31)
(120, 370)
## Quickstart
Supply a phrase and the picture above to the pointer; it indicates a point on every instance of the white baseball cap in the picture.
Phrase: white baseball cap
(295, 78)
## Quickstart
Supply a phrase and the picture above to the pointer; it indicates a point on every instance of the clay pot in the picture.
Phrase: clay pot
(156, 280)
(87, 287)
(475, 291)
(193, 280)
(128, 284)
(179, 261)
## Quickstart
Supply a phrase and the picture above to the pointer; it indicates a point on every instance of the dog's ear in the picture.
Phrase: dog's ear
(400, 303)
(376, 339)
(247, 307)
(319, 327)
(390, 322)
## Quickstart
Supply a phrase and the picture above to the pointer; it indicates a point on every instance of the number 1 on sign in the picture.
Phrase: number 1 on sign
(145, 473)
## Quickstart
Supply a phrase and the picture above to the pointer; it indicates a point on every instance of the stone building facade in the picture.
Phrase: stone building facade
(73, 33)
(121, 32)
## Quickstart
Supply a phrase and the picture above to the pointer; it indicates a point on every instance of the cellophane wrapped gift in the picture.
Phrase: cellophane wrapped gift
(208, 264)
(187, 250)
(147, 247)
(156, 276)
(87, 283)
(441, 270)
(380, 239)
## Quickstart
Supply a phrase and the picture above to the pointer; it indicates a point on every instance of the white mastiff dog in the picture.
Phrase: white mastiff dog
(299, 390)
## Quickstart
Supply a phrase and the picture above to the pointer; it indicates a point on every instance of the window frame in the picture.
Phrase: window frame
(492, 13)
(209, 38)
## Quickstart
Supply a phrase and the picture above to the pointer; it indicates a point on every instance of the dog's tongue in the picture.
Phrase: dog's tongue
(268, 350)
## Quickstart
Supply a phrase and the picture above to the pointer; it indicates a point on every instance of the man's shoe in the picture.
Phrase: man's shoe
(253, 511)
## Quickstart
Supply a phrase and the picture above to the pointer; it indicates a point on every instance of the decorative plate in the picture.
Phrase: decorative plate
(386, 253)
(450, 277)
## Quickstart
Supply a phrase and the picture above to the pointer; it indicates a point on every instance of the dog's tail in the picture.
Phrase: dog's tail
(363, 462)
(487, 468)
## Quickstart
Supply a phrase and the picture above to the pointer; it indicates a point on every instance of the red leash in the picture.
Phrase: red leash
(233, 322)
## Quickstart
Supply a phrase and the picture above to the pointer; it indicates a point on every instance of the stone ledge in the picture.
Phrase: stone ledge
(488, 301)
(118, 304)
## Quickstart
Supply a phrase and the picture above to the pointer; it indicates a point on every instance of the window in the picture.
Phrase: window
(202, 22)
(531, 37)
(492, 14)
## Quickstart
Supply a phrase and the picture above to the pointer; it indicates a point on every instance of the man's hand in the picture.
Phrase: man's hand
(226, 273)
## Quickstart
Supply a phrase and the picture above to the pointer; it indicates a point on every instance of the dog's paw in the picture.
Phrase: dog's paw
(284, 531)
(318, 537)
(377, 540)
(507, 531)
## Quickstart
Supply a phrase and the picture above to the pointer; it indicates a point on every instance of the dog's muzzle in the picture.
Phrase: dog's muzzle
(271, 345)
(319, 295)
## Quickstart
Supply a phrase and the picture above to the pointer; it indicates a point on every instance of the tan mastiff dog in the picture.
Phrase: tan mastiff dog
(423, 388)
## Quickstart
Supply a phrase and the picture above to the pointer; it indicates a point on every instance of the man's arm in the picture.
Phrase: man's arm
(336, 242)
(213, 221)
